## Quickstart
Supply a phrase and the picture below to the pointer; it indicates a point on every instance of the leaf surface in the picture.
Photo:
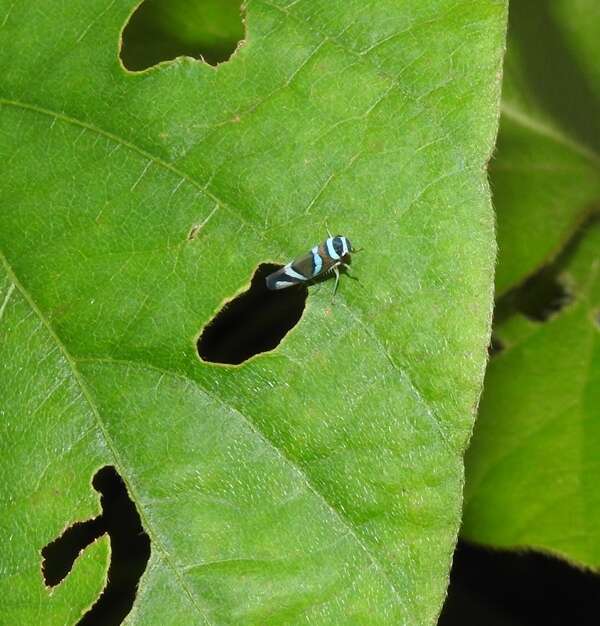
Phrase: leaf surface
(319, 483)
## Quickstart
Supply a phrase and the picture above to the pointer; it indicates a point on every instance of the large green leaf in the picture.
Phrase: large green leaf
(533, 466)
(319, 483)
(545, 176)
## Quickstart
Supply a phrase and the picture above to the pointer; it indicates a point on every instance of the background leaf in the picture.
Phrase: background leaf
(320, 482)
(533, 466)
(160, 30)
(530, 468)
(545, 176)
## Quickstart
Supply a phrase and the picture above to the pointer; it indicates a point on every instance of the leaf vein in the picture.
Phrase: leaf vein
(9, 293)
(120, 141)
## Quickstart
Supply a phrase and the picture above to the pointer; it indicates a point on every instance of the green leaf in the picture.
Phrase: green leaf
(545, 176)
(529, 482)
(320, 482)
(533, 465)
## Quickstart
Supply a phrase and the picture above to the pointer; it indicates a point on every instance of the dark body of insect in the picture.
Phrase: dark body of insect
(322, 259)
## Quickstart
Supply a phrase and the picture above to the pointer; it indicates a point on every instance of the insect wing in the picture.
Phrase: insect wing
(298, 271)
(305, 266)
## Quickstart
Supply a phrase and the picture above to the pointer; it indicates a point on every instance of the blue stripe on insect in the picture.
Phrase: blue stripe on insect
(322, 259)
(290, 272)
(331, 250)
(317, 261)
(345, 250)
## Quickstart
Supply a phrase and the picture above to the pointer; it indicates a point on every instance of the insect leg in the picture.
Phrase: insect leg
(349, 273)
(337, 280)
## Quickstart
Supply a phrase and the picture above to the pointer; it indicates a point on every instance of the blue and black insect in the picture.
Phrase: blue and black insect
(327, 257)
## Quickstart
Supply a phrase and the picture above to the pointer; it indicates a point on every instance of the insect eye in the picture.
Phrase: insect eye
(338, 245)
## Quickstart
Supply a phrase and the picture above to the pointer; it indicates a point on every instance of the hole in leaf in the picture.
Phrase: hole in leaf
(130, 550)
(60, 555)
(546, 292)
(255, 321)
(542, 295)
(161, 30)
